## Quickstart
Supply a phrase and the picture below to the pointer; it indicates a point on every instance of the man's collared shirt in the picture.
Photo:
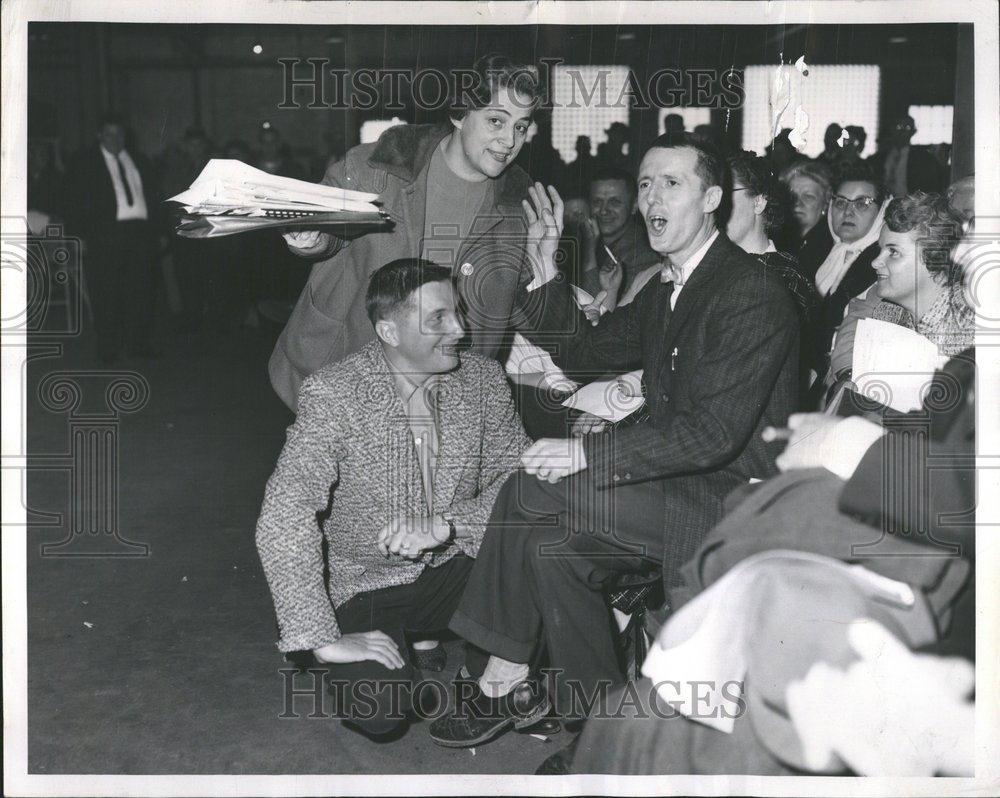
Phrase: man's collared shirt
(125, 212)
(686, 269)
(421, 414)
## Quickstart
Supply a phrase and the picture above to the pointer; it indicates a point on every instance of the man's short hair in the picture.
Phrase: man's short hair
(755, 173)
(491, 73)
(393, 284)
(111, 118)
(608, 173)
(711, 167)
(861, 173)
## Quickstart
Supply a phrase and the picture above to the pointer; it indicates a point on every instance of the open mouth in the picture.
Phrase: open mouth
(657, 224)
(501, 157)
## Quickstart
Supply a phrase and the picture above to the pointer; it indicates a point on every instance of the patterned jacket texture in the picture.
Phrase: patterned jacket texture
(350, 459)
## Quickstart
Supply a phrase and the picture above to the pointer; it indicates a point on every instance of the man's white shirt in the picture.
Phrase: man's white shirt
(137, 210)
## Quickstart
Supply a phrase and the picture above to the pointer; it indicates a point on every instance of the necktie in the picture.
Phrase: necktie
(124, 177)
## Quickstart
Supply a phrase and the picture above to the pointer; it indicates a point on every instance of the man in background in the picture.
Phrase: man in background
(904, 168)
(615, 238)
(111, 207)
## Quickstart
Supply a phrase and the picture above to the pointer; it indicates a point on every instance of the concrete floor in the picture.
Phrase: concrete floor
(166, 663)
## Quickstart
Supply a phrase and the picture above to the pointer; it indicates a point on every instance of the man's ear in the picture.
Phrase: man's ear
(713, 197)
(759, 205)
(387, 332)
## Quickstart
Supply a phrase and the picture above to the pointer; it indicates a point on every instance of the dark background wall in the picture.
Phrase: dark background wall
(163, 78)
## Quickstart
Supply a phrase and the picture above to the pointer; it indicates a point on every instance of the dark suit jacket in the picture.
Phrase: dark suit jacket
(923, 171)
(92, 208)
(933, 447)
(813, 248)
(717, 369)
(859, 276)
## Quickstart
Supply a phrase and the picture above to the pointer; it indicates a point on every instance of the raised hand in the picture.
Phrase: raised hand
(544, 213)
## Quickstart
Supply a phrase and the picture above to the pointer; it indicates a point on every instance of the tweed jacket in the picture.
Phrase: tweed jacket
(329, 321)
(718, 368)
(351, 454)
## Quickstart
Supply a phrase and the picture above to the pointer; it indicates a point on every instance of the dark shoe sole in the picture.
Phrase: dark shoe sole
(503, 726)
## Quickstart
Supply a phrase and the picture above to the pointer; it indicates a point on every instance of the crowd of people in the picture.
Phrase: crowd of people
(780, 555)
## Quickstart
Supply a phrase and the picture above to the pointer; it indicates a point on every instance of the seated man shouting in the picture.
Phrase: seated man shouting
(403, 446)
(717, 337)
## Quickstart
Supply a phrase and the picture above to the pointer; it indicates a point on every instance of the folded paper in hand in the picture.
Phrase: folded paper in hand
(231, 197)
(893, 365)
(528, 358)
(611, 400)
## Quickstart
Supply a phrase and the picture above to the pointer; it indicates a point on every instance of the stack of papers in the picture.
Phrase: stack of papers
(893, 365)
(231, 197)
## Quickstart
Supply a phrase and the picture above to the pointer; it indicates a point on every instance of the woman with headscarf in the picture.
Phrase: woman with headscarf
(855, 215)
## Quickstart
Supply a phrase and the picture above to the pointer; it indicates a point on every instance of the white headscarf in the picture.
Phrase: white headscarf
(842, 255)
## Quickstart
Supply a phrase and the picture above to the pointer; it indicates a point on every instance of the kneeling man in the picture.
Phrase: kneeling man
(402, 448)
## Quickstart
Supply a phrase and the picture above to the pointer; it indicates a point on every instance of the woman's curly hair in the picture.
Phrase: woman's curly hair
(938, 228)
(755, 173)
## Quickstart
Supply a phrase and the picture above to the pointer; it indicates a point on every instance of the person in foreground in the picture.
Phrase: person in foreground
(841, 600)
(404, 446)
(717, 338)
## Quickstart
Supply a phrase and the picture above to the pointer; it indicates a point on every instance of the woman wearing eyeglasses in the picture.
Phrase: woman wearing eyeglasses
(857, 208)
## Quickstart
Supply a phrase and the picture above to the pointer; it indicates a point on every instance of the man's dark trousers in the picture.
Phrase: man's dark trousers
(121, 273)
(539, 574)
(376, 698)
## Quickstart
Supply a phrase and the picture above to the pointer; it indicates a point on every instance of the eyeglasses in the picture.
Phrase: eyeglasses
(840, 203)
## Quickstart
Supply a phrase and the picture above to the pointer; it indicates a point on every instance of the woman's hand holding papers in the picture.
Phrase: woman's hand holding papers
(307, 243)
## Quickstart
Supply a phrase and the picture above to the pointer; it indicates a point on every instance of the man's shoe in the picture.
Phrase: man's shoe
(477, 718)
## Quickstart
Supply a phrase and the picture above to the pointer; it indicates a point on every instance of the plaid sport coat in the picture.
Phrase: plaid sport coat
(718, 368)
(351, 452)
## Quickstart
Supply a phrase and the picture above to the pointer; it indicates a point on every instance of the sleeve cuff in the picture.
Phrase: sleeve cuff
(848, 443)
(549, 272)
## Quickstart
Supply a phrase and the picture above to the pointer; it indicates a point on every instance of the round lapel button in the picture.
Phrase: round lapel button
(467, 269)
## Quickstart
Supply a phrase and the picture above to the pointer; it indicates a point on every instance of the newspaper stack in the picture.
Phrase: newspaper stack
(230, 197)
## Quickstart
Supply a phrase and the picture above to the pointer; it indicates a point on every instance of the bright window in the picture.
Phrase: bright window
(586, 100)
(847, 95)
(933, 123)
(373, 128)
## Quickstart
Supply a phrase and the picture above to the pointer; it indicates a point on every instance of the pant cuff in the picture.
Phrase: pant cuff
(490, 640)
